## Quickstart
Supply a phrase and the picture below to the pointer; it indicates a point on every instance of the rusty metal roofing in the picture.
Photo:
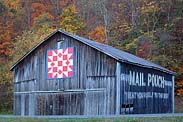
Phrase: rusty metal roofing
(108, 50)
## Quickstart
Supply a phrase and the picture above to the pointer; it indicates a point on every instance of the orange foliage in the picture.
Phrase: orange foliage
(98, 34)
(64, 2)
(6, 33)
(5, 43)
(144, 50)
(180, 69)
(179, 83)
(38, 9)
(12, 4)
(180, 91)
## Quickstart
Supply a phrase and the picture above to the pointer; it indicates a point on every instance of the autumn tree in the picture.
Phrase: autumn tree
(39, 9)
(5, 43)
(102, 5)
(88, 12)
(43, 20)
(7, 13)
(5, 33)
(120, 28)
(71, 21)
(98, 34)
(150, 13)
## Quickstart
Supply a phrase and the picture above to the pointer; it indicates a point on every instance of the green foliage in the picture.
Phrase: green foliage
(5, 75)
(131, 46)
(6, 97)
(163, 60)
(2, 8)
(28, 40)
(71, 21)
(42, 20)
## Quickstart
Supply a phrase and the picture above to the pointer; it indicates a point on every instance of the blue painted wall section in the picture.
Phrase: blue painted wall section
(145, 90)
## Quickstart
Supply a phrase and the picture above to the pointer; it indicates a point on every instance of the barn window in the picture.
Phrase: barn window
(59, 44)
(127, 108)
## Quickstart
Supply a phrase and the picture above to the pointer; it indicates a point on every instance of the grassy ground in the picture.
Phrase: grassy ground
(122, 119)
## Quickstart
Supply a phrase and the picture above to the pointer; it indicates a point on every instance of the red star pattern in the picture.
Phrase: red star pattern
(60, 63)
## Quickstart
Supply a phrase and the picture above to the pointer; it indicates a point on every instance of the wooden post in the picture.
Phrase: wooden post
(118, 72)
(173, 87)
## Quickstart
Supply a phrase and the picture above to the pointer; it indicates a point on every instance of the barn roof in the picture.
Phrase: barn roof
(108, 50)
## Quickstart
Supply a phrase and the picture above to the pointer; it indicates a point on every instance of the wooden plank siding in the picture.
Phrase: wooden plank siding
(92, 90)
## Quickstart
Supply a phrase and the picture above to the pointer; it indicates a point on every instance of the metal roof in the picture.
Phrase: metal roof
(108, 50)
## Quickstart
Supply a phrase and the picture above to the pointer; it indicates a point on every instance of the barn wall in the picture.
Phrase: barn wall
(145, 90)
(90, 92)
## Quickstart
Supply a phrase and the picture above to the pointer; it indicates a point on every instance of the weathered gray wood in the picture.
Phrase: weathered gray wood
(118, 86)
(31, 105)
(22, 105)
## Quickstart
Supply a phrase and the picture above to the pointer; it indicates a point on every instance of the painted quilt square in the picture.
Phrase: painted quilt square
(60, 63)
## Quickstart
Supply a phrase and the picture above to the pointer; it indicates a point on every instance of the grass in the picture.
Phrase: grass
(119, 119)
(6, 113)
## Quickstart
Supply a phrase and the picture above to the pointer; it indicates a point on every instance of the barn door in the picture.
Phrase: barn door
(100, 95)
(26, 97)
(94, 97)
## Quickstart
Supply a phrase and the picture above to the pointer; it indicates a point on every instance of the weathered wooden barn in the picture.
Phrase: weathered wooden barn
(69, 75)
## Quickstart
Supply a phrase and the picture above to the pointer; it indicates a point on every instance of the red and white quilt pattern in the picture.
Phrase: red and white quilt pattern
(60, 63)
